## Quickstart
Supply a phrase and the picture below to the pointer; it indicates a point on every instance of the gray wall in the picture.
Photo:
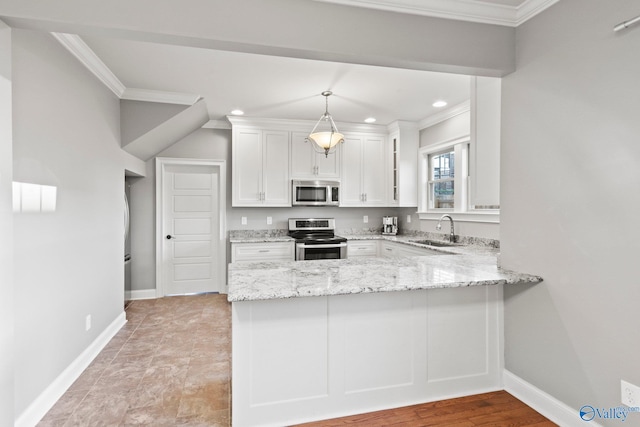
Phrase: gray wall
(570, 201)
(68, 263)
(216, 144)
(282, 27)
(6, 231)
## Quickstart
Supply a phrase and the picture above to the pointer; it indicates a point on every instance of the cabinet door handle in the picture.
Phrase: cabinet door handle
(263, 250)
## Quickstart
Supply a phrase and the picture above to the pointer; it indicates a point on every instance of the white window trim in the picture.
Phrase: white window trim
(464, 214)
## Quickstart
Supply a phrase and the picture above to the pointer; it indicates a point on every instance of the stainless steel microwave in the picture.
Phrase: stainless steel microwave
(316, 193)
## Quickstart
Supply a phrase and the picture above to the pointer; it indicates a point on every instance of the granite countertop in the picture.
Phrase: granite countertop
(292, 279)
(260, 239)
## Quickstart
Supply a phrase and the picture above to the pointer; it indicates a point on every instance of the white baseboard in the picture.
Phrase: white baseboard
(140, 294)
(544, 403)
(45, 401)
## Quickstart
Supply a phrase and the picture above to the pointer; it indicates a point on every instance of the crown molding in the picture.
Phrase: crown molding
(444, 115)
(149, 95)
(531, 8)
(302, 125)
(461, 10)
(87, 57)
(217, 124)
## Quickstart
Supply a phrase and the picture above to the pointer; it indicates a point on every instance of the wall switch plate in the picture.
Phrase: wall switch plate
(244, 220)
(87, 322)
(408, 218)
(630, 394)
(269, 220)
(365, 219)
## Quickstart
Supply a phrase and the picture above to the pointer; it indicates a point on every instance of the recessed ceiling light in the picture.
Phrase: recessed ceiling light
(439, 104)
(237, 112)
(370, 120)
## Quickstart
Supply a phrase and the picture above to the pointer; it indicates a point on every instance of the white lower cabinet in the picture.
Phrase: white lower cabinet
(362, 248)
(298, 360)
(268, 251)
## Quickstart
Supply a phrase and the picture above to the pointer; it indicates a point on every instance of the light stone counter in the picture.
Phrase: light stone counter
(357, 346)
(291, 279)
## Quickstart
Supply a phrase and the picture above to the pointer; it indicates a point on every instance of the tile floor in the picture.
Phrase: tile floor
(168, 366)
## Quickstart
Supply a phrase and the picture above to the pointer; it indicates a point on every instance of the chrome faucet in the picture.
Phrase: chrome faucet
(452, 236)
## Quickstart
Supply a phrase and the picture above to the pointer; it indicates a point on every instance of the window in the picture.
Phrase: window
(441, 180)
(445, 177)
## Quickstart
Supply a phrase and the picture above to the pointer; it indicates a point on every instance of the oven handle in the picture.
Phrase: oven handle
(328, 245)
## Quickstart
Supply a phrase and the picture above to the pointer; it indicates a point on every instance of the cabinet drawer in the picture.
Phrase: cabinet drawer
(276, 251)
(362, 249)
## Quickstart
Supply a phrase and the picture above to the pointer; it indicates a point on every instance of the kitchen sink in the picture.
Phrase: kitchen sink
(437, 243)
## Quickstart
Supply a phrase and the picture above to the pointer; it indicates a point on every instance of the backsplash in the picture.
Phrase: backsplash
(279, 232)
(245, 234)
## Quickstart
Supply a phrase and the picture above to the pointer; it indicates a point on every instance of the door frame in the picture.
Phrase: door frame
(161, 164)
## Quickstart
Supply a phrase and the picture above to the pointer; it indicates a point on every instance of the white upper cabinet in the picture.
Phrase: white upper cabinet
(364, 172)
(306, 163)
(260, 168)
(404, 141)
(268, 153)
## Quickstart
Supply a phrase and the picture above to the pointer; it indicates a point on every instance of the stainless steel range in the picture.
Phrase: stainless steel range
(315, 239)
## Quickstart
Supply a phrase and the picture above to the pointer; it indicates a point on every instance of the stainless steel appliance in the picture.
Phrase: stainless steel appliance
(316, 193)
(390, 225)
(315, 239)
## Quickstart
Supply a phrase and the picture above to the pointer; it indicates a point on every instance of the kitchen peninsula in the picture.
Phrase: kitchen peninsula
(319, 339)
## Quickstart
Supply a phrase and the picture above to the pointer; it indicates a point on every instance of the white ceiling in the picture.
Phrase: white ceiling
(289, 88)
(277, 87)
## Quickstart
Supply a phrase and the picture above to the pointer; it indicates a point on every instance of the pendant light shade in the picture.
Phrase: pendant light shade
(325, 141)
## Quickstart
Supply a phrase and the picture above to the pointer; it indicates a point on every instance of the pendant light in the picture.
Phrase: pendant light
(325, 141)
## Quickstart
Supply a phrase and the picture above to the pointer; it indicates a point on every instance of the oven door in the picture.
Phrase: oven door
(306, 251)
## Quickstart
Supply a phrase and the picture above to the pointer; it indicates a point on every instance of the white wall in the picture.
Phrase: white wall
(447, 130)
(570, 202)
(6, 231)
(68, 263)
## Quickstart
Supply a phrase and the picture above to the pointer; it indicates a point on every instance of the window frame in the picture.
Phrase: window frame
(463, 210)
(460, 148)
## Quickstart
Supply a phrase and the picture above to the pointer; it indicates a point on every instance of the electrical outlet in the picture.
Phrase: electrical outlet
(408, 218)
(365, 219)
(630, 394)
(244, 220)
(87, 322)
(269, 220)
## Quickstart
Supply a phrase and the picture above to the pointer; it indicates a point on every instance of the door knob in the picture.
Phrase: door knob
(169, 237)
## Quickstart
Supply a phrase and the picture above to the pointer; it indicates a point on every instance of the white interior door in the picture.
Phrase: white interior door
(190, 232)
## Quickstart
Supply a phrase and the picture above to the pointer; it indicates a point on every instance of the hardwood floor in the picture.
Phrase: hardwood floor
(488, 409)
(170, 366)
